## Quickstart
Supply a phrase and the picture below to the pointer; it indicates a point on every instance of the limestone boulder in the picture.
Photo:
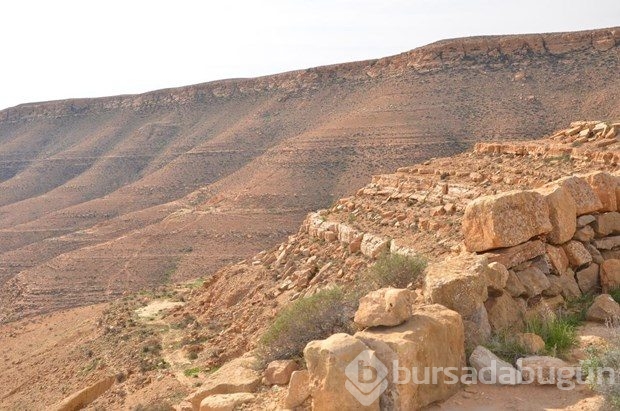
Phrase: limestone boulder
(559, 260)
(544, 370)
(610, 275)
(532, 343)
(603, 309)
(298, 390)
(504, 313)
(513, 256)
(331, 388)
(586, 200)
(604, 185)
(385, 307)
(238, 375)
(607, 223)
(534, 281)
(226, 402)
(459, 283)
(498, 277)
(373, 246)
(588, 278)
(562, 212)
(491, 369)
(577, 254)
(505, 220)
(433, 337)
(279, 372)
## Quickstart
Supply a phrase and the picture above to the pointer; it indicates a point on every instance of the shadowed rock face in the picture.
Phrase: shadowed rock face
(99, 196)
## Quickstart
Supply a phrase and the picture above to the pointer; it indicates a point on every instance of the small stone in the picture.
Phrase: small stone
(279, 372)
(603, 309)
(531, 342)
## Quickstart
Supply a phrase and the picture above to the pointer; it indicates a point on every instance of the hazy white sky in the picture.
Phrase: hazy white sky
(55, 49)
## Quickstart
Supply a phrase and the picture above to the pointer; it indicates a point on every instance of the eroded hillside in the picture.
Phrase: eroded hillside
(107, 195)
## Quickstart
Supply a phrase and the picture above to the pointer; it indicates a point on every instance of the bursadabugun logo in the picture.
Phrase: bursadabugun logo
(366, 377)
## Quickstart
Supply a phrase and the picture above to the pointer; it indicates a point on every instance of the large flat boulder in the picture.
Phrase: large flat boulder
(459, 283)
(562, 212)
(330, 362)
(513, 256)
(433, 337)
(385, 307)
(586, 200)
(505, 220)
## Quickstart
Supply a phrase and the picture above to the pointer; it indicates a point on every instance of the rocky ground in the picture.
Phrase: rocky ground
(117, 194)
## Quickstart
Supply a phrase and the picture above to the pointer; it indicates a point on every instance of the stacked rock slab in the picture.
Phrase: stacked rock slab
(556, 242)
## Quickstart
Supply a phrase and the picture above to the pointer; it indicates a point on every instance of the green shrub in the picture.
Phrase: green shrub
(192, 372)
(559, 333)
(601, 382)
(615, 294)
(577, 308)
(506, 347)
(306, 319)
(394, 270)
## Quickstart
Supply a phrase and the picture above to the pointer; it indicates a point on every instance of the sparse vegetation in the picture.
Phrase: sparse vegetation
(311, 318)
(558, 333)
(615, 294)
(606, 383)
(394, 270)
(192, 372)
(506, 347)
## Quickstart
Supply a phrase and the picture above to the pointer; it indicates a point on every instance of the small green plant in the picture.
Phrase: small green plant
(310, 318)
(558, 333)
(602, 368)
(506, 347)
(577, 308)
(394, 270)
(615, 294)
(192, 372)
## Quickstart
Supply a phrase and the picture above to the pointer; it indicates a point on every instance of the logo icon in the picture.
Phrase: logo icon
(366, 377)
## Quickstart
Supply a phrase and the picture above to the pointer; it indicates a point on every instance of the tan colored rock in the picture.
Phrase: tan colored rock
(607, 243)
(385, 307)
(373, 246)
(555, 288)
(459, 283)
(327, 362)
(544, 370)
(491, 369)
(504, 313)
(588, 278)
(584, 220)
(84, 397)
(514, 286)
(562, 212)
(513, 256)
(584, 234)
(604, 185)
(531, 342)
(534, 281)
(610, 275)
(570, 287)
(557, 257)
(505, 220)
(603, 309)
(298, 390)
(607, 223)
(279, 372)
(498, 277)
(586, 200)
(577, 254)
(433, 337)
(233, 377)
(225, 402)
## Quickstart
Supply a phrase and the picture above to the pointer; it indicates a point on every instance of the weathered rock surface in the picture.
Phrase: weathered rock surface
(279, 372)
(504, 313)
(513, 256)
(226, 402)
(586, 200)
(557, 257)
(327, 362)
(505, 220)
(498, 277)
(298, 390)
(577, 254)
(532, 343)
(588, 278)
(385, 307)
(562, 212)
(603, 309)
(534, 281)
(607, 223)
(82, 398)
(544, 370)
(433, 337)
(610, 275)
(604, 185)
(491, 369)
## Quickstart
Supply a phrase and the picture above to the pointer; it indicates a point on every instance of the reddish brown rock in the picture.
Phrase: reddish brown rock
(610, 275)
(577, 254)
(513, 256)
(586, 200)
(604, 185)
(505, 220)
(562, 212)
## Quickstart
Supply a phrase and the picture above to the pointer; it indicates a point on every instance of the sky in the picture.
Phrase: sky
(88, 48)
